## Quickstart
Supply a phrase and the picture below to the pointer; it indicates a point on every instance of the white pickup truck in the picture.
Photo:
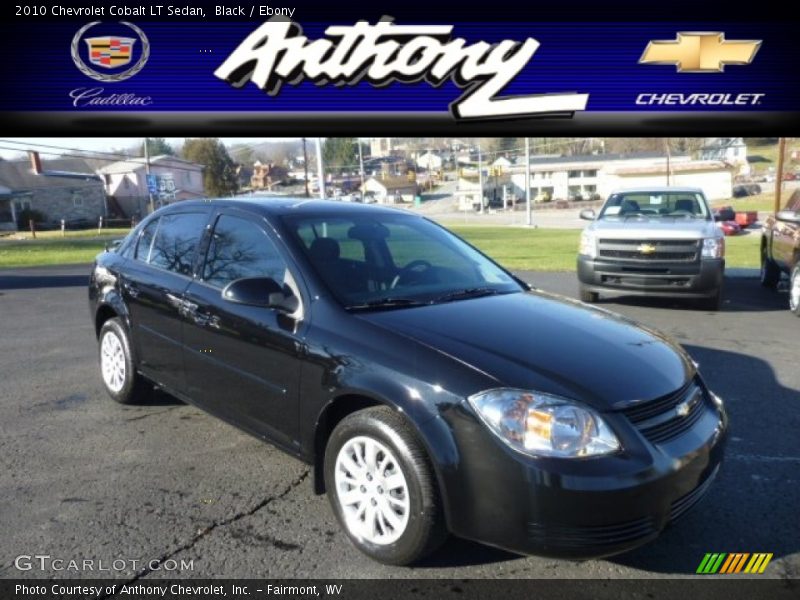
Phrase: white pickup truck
(659, 241)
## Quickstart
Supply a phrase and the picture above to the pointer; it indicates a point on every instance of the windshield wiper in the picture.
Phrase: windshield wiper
(389, 302)
(475, 292)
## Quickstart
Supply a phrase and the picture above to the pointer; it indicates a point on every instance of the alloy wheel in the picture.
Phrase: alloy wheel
(112, 361)
(372, 491)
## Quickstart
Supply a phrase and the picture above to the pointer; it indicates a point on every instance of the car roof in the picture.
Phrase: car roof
(659, 189)
(271, 205)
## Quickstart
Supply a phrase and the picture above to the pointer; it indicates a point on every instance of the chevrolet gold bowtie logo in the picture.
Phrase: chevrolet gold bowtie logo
(646, 248)
(700, 52)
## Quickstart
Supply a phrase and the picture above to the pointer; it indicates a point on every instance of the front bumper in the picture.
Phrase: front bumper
(701, 279)
(580, 508)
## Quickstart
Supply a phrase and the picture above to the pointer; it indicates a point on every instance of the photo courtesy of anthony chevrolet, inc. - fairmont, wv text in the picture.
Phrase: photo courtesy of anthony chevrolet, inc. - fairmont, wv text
(420, 300)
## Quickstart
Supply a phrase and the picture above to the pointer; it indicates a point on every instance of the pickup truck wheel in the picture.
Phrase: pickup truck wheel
(770, 273)
(587, 296)
(382, 487)
(117, 366)
(794, 291)
(712, 303)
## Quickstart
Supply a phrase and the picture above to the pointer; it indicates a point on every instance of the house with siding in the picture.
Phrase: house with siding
(391, 189)
(62, 188)
(175, 179)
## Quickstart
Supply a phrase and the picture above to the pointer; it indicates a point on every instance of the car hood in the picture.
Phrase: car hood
(542, 342)
(654, 229)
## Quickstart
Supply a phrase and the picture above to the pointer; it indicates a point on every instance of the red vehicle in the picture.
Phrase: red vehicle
(746, 218)
(726, 220)
(729, 227)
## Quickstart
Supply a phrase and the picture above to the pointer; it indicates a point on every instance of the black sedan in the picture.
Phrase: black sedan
(432, 390)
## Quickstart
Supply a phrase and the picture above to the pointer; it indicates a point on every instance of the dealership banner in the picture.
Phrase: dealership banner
(368, 589)
(202, 67)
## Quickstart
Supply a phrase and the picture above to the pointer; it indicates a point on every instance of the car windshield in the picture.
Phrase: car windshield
(655, 205)
(373, 261)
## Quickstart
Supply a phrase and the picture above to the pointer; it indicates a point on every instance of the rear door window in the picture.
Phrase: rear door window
(145, 242)
(175, 244)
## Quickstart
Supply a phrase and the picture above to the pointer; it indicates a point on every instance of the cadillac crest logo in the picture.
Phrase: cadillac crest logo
(110, 53)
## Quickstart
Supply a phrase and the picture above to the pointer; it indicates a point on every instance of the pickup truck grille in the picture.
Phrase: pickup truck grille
(648, 251)
(666, 418)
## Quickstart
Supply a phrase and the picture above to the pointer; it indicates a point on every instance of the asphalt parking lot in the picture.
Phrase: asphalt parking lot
(84, 478)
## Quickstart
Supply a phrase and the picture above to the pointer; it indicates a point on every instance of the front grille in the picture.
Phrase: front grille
(643, 281)
(668, 417)
(681, 506)
(648, 251)
(594, 536)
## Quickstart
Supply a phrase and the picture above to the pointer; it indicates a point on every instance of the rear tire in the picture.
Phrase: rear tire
(587, 296)
(770, 273)
(117, 365)
(794, 291)
(382, 487)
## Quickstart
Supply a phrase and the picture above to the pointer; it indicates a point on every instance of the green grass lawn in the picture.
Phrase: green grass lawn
(515, 248)
(764, 201)
(556, 249)
(50, 248)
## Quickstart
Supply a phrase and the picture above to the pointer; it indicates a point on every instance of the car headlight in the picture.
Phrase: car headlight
(543, 425)
(713, 248)
(588, 245)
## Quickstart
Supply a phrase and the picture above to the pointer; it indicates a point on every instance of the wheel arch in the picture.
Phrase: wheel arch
(441, 451)
(110, 308)
(766, 245)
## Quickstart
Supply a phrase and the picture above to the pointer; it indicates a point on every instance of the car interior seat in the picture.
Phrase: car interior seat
(346, 276)
(629, 206)
(686, 205)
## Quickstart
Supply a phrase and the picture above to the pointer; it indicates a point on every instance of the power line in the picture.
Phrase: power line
(137, 160)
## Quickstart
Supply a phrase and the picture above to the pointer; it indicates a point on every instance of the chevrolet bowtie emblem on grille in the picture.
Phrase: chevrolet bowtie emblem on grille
(646, 248)
(700, 52)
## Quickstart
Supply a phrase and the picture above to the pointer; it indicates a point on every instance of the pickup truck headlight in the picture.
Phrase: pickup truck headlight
(588, 245)
(544, 425)
(713, 248)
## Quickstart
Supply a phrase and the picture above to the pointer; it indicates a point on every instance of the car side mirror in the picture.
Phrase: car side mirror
(587, 214)
(790, 216)
(261, 291)
(112, 245)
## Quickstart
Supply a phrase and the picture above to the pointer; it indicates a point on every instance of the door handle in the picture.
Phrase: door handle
(206, 320)
(174, 300)
(131, 289)
(185, 307)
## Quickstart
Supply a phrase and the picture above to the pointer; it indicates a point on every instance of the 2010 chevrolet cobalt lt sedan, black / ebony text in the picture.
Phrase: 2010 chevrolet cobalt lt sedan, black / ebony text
(433, 391)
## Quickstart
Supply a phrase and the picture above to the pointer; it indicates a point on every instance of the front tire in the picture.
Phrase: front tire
(587, 296)
(712, 303)
(117, 366)
(794, 291)
(770, 273)
(382, 487)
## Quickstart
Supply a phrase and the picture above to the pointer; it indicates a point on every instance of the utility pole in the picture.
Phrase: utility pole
(147, 175)
(779, 174)
(528, 207)
(361, 166)
(666, 148)
(305, 167)
(480, 177)
(320, 170)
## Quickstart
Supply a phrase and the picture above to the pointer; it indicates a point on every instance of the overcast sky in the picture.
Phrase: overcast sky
(100, 144)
